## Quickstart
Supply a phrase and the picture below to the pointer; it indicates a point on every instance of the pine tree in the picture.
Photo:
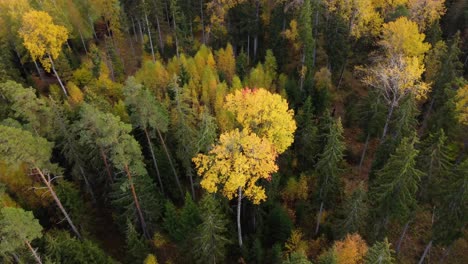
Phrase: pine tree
(18, 228)
(380, 252)
(393, 194)
(146, 114)
(210, 240)
(330, 166)
(18, 146)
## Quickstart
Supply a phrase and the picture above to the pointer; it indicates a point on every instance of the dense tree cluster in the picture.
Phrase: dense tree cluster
(233, 131)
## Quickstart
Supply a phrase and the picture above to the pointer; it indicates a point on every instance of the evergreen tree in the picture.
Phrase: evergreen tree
(355, 212)
(210, 239)
(436, 162)
(297, 258)
(307, 144)
(137, 248)
(393, 194)
(171, 222)
(17, 229)
(330, 166)
(147, 114)
(60, 247)
(18, 146)
(380, 252)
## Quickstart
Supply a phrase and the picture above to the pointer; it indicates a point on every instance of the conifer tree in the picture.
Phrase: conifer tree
(137, 248)
(393, 193)
(330, 166)
(355, 212)
(380, 252)
(18, 228)
(147, 114)
(210, 239)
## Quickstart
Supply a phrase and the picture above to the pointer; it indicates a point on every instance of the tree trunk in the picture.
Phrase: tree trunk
(92, 27)
(135, 34)
(400, 241)
(175, 34)
(192, 187)
(137, 203)
(149, 37)
(141, 32)
(202, 22)
(426, 116)
(88, 185)
(83, 42)
(57, 201)
(389, 117)
(36, 256)
(363, 155)
(426, 250)
(318, 218)
(41, 75)
(154, 160)
(106, 164)
(161, 42)
(239, 228)
(58, 77)
(171, 163)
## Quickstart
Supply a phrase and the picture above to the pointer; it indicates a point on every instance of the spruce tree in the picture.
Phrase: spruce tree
(393, 194)
(330, 166)
(210, 240)
(137, 249)
(380, 252)
(355, 212)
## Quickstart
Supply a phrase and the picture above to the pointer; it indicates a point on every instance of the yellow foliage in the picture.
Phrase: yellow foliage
(296, 190)
(295, 243)
(75, 96)
(239, 160)
(292, 34)
(402, 37)
(323, 78)
(461, 104)
(41, 37)
(425, 12)
(265, 114)
(151, 259)
(351, 250)
(159, 240)
(361, 15)
(226, 62)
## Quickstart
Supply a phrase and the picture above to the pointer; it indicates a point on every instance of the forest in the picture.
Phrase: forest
(234, 131)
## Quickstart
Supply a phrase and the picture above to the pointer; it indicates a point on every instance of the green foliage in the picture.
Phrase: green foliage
(393, 194)
(72, 200)
(210, 238)
(355, 212)
(17, 227)
(328, 257)
(171, 222)
(278, 225)
(331, 163)
(297, 258)
(380, 252)
(60, 247)
(137, 248)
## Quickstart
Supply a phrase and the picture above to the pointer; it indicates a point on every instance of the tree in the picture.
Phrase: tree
(350, 250)
(226, 62)
(236, 164)
(426, 12)
(17, 228)
(393, 193)
(137, 249)
(60, 247)
(355, 212)
(361, 16)
(146, 113)
(210, 239)
(43, 39)
(462, 104)
(18, 146)
(330, 166)
(380, 252)
(115, 144)
(265, 114)
(151, 259)
(398, 71)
